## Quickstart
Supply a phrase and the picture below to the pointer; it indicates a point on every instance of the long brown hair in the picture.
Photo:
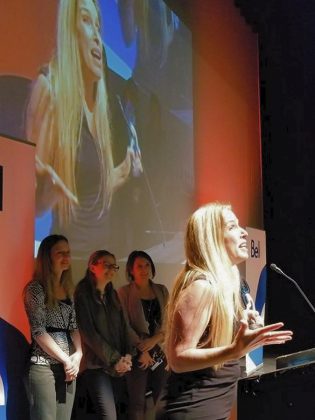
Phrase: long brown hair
(44, 274)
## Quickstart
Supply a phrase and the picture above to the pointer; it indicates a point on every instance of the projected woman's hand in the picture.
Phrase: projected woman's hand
(49, 187)
(122, 171)
(135, 154)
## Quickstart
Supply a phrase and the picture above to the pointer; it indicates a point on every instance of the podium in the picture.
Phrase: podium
(284, 394)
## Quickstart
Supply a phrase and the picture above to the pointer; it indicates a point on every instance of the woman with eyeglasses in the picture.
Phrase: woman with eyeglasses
(144, 303)
(104, 334)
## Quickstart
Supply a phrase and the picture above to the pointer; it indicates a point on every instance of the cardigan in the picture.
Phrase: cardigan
(131, 303)
(102, 326)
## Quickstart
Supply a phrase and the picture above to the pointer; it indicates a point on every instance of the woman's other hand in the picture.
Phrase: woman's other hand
(128, 359)
(76, 360)
(69, 369)
(145, 360)
(123, 365)
(49, 188)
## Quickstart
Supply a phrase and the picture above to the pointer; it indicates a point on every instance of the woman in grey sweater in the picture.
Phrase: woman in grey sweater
(144, 304)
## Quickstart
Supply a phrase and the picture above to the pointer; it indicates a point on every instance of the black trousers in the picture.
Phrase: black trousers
(138, 383)
(100, 396)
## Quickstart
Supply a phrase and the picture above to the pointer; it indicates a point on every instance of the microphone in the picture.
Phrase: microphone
(254, 321)
(278, 270)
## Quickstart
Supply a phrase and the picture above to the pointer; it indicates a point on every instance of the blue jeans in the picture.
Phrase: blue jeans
(50, 397)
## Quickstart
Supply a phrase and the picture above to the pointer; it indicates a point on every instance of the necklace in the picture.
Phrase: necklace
(148, 306)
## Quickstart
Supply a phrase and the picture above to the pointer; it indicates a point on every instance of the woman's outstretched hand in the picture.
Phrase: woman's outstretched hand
(247, 340)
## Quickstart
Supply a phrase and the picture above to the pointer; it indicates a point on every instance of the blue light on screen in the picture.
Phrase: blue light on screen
(120, 57)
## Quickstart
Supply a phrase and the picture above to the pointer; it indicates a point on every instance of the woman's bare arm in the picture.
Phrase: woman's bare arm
(40, 112)
(189, 324)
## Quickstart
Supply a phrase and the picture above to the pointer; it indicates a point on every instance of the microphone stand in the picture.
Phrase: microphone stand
(275, 268)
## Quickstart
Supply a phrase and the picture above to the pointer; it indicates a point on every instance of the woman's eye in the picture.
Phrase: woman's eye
(86, 19)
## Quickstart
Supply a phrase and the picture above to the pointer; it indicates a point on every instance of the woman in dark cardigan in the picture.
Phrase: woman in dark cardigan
(104, 334)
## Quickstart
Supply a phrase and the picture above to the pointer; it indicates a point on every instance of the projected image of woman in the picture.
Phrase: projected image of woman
(206, 329)
(68, 119)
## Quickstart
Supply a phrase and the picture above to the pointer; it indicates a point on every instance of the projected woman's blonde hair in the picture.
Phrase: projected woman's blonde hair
(207, 257)
(63, 131)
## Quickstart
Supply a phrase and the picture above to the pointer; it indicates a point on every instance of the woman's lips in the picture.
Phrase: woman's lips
(96, 53)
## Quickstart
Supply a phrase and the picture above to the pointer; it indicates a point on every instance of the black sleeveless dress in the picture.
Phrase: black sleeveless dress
(202, 394)
(90, 228)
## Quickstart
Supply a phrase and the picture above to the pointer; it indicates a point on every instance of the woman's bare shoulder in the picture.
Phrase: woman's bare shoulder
(194, 294)
(202, 283)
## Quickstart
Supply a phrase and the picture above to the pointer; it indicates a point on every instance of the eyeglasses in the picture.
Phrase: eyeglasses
(109, 266)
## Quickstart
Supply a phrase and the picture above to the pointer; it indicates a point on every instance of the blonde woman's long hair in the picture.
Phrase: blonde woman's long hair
(207, 258)
(68, 97)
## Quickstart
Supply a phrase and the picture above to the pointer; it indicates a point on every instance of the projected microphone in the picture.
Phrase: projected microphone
(129, 116)
(137, 167)
(278, 270)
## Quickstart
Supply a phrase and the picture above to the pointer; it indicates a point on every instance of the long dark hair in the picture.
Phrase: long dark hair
(131, 260)
(44, 274)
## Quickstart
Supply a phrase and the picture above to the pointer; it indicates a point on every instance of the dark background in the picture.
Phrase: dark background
(286, 34)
